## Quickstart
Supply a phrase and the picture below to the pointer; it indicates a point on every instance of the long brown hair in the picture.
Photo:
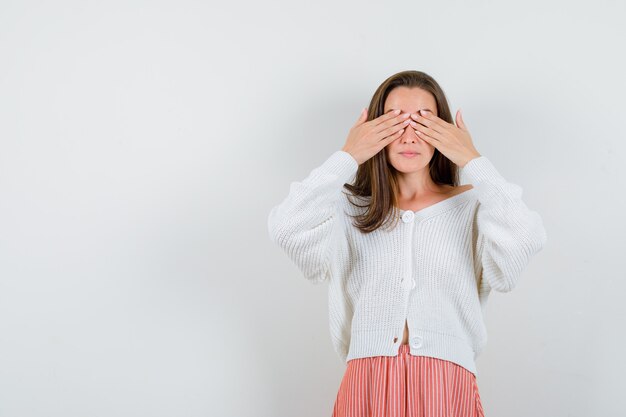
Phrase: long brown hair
(376, 179)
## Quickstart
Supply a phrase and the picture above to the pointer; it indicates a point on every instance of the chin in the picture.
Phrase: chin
(413, 165)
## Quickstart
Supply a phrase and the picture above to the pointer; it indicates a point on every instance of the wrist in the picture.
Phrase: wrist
(470, 157)
(351, 154)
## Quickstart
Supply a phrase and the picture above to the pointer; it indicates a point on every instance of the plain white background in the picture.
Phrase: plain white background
(144, 143)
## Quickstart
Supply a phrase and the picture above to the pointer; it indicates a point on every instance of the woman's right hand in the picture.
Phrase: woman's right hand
(366, 139)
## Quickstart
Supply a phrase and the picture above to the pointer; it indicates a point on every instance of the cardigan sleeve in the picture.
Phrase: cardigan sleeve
(509, 233)
(305, 223)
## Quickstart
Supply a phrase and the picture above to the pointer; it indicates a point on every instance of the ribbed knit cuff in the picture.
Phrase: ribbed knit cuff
(342, 164)
(480, 169)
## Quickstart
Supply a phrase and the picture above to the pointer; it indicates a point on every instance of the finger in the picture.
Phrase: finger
(387, 140)
(427, 139)
(427, 114)
(429, 119)
(428, 124)
(435, 122)
(459, 120)
(398, 120)
(390, 114)
(386, 117)
(394, 128)
(362, 117)
(424, 132)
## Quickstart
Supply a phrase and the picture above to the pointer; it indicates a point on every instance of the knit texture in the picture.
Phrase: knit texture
(435, 268)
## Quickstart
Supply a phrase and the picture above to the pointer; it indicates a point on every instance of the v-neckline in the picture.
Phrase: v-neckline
(440, 206)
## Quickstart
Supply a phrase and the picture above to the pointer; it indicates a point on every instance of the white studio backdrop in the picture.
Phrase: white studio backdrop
(143, 144)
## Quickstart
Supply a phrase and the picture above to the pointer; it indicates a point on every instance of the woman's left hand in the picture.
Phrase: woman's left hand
(452, 141)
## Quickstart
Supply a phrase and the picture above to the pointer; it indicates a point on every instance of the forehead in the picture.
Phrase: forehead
(410, 100)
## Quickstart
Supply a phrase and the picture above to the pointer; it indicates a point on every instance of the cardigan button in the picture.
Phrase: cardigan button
(416, 342)
(408, 216)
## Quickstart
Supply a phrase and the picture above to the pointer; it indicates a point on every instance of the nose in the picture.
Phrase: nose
(409, 135)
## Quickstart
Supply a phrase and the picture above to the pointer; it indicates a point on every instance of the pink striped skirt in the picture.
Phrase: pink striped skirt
(407, 386)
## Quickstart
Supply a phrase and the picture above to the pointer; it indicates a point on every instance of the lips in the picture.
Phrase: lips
(409, 153)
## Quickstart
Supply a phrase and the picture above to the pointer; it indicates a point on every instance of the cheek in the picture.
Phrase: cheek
(389, 148)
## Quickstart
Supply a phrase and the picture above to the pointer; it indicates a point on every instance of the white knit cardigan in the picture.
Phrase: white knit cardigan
(434, 269)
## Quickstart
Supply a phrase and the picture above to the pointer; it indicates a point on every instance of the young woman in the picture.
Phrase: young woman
(409, 254)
